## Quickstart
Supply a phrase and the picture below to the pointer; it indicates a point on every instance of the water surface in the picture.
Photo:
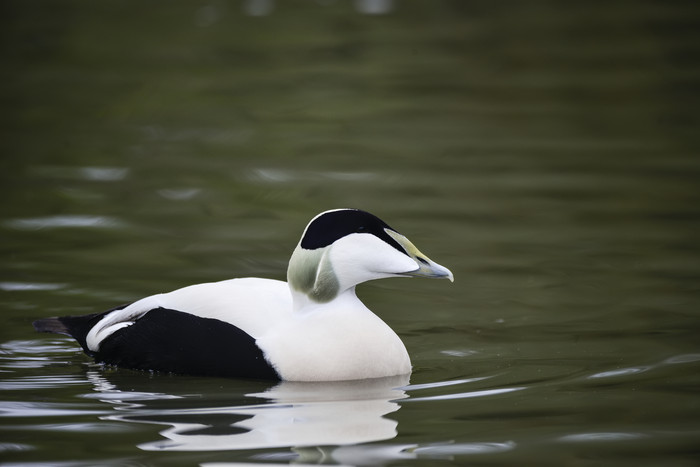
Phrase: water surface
(546, 153)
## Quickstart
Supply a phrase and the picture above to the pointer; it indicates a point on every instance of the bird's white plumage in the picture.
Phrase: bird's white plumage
(250, 304)
(331, 343)
(313, 327)
(377, 261)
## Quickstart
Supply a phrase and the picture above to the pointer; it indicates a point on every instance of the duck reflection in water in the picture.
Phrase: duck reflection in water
(289, 414)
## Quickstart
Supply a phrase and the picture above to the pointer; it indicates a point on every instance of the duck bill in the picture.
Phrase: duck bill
(430, 269)
(426, 266)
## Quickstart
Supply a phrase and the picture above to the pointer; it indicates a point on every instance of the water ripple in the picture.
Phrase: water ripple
(104, 174)
(459, 353)
(64, 221)
(269, 175)
(127, 397)
(685, 358)
(39, 382)
(380, 454)
(179, 194)
(6, 447)
(90, 173)
(43, 409)
(35, 347)
(464, 449)
(604, 436)
(620, 372)
(675, 360)
(74, 427)
(32, 354)
(29, 286)
(466, 395)
(441, 384)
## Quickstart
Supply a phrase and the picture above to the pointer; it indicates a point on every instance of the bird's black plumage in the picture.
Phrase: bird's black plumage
(171, 341)
(76, 327)
(333, 225)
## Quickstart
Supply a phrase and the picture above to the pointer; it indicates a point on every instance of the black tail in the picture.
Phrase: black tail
(76, 327)
(54, 325)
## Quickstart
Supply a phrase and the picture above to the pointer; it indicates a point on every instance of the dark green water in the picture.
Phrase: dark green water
(546, 152)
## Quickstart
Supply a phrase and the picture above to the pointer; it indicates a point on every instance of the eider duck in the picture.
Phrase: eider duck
(310, 328)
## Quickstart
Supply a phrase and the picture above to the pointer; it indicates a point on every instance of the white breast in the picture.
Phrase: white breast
(340, 340)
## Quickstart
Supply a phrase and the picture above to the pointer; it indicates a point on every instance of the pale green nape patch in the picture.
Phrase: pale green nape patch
(311, 272)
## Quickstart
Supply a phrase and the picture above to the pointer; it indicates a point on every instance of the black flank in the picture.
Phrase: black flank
(177, 342)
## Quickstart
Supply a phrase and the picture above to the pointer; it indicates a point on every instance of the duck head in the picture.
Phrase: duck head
(345, 247)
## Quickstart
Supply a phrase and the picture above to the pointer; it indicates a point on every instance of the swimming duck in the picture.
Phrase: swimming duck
(310, 328)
